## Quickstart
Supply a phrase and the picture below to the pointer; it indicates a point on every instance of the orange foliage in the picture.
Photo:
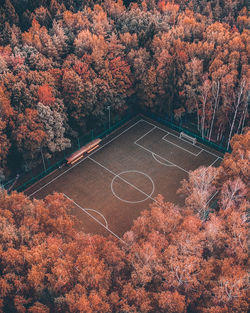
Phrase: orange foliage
(174, 57)
(6, 109)
(45, 95)
(236, 164)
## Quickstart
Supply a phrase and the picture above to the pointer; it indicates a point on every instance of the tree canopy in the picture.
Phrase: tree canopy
(66, 61)
(176, 259)
(62, 63)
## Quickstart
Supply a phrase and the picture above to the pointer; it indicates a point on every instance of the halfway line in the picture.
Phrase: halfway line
(149, 197)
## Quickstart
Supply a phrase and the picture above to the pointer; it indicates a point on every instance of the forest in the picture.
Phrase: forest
(62, 63)
(174, 259)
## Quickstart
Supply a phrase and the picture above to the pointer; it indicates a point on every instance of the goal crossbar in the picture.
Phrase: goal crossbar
(184, 135)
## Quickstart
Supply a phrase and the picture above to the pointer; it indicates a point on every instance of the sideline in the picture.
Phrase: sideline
(85, 210)
(180, 147)
(217, 156)
(102, 146)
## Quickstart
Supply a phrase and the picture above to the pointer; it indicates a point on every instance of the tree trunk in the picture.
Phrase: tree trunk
(218, 134)
(244, 117)
(203, 115)
(216, 97)
(235, 112)
(198, 117)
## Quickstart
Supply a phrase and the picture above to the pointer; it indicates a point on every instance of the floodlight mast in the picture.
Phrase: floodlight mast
(43, 159)
(109, 107)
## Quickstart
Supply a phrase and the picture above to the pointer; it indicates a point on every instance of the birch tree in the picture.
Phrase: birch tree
(199, 189)
(238, 98)
(205, 94)
(232, 193)
(215, 89)
(54, 126)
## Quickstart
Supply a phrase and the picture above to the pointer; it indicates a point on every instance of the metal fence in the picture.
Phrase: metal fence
(98, 132)
(180, 128)
(29, 178)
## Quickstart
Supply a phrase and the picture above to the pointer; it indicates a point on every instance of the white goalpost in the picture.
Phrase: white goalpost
(184, 135)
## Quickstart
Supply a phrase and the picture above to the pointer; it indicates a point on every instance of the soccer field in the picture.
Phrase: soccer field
(111, 186)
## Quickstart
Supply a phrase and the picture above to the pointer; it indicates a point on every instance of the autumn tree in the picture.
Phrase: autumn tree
(25, 228)
(54, 126)
(235, 164)
(42, 15)
(45, 95)
(4, 144)
(47, 265)
(188, 259)
(28, 135)
(199, 189)
(73, 95)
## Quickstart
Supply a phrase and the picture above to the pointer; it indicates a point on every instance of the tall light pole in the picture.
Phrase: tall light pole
(109, 107)
(43, 159)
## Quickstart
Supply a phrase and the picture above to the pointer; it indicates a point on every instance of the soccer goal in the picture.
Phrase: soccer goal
(184, 135)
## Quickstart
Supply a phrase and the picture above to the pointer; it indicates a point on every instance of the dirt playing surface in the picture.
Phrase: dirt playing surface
(111, 186)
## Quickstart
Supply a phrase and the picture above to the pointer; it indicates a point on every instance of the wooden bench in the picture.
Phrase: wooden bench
(76, 156)
(184, 135)
(95, 147)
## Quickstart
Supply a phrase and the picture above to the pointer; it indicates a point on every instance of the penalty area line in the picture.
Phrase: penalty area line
(180, 147)
(171, 133)
(84, 210)
(97, 212)
(154, 156)
(150, 151)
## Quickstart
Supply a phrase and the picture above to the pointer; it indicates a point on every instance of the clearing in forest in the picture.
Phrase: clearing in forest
(110, 186)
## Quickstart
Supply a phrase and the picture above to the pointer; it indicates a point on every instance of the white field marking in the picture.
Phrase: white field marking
(84, 210)
(195, 154)
(132, 171)
(212, 197)
(161, 157)
(214, 162)
(181, 168)
(145, 134)
(154, 156)
(33, 185)
(97, 212)
(213, 178)
(217, 156)
(39, 189)
(149, 197)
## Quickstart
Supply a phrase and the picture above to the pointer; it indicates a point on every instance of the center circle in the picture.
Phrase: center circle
(139, 175)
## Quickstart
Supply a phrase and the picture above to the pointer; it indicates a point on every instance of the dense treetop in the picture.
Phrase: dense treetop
(63, 62)
(175, 260)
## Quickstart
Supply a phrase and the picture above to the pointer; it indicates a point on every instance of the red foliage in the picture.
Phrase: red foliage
(45, 95)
